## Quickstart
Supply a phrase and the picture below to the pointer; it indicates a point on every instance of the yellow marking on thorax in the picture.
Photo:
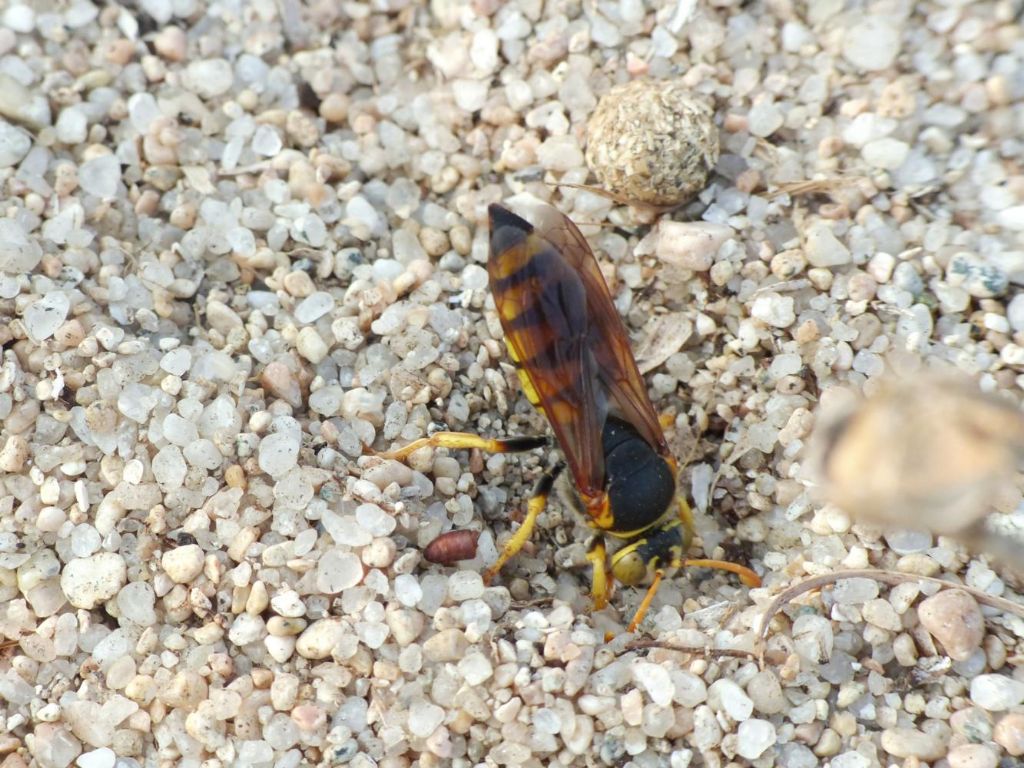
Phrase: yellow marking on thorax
(595, 522)
(599, 512)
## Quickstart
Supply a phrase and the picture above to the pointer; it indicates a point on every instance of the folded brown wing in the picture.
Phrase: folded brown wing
(616, 365)
(542, 301)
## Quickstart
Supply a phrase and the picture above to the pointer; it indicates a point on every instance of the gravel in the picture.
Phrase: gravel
(243, 248)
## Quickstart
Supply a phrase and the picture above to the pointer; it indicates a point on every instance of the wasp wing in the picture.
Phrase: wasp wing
(616, 365)
(544, 305)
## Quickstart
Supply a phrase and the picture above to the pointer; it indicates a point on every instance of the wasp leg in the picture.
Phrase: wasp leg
(641, 610)
(685, 513)
(747, 576)
(599, 586)
(538, 499)
(466, 440)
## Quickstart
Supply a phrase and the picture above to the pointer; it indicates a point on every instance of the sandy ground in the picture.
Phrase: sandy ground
(243, 244)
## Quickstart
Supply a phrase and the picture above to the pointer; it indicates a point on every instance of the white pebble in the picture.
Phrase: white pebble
(246, 629)
(764, 118)
(100, 176)
(753, 737)
(910, 742)
(775, 310)
(320, 638)
(19, 17)
(470, 95)
(72, 126)
(169, 467)
(823, 248)
(311, 345)
(136, 601)
(996, 693)
(18, 252)
(14, 144)
(424, 718)
(886, 153)
(103, 757)
(560, 153)
(408, 590)
(362, 213)
(475, 668)
(337, 571)
(1015, 312)
(279, 453)
(43, 317)
(726, 696)
(873, 43)
(88, 581)
(465, 585)
(183, 564)
(374, 520)
(210, 78)
(314, 306)
(266, 141)
(1012, 218)
(656, 681)
(690, 245)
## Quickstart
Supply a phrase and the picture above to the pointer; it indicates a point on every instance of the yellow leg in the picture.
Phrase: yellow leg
(747, 576)
(645, 604)
(674, 557)
(685, 513)
(466, 440)
(599, 587)
(533, 508)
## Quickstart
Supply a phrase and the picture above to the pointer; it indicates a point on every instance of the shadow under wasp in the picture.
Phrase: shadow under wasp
(575, 365)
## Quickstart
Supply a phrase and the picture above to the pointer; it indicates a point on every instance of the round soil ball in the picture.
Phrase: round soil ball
(652, 142)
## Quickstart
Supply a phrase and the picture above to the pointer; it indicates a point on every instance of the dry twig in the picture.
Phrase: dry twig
(886, 577)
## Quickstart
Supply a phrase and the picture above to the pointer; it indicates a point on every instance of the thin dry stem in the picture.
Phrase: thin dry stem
(886, 577)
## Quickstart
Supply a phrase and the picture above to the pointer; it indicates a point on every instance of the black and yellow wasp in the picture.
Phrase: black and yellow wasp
(575, 365)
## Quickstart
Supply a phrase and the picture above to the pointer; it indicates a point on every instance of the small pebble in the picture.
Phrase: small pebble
(183, 564)
(766, 693)
(320, 638)
(910, 742)
(823, 248)
(973, 756)
(1009, 733)
(954, 619)
(690, 245)
(753, 737)
(446, 645)
(726, 696)
(88, 581)
(656, 681)
(873, 43)
(996, 693)
(14, 144)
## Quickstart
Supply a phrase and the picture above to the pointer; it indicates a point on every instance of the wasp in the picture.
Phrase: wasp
(575, 365)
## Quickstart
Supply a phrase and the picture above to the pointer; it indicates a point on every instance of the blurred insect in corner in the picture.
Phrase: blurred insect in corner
(574, 363)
